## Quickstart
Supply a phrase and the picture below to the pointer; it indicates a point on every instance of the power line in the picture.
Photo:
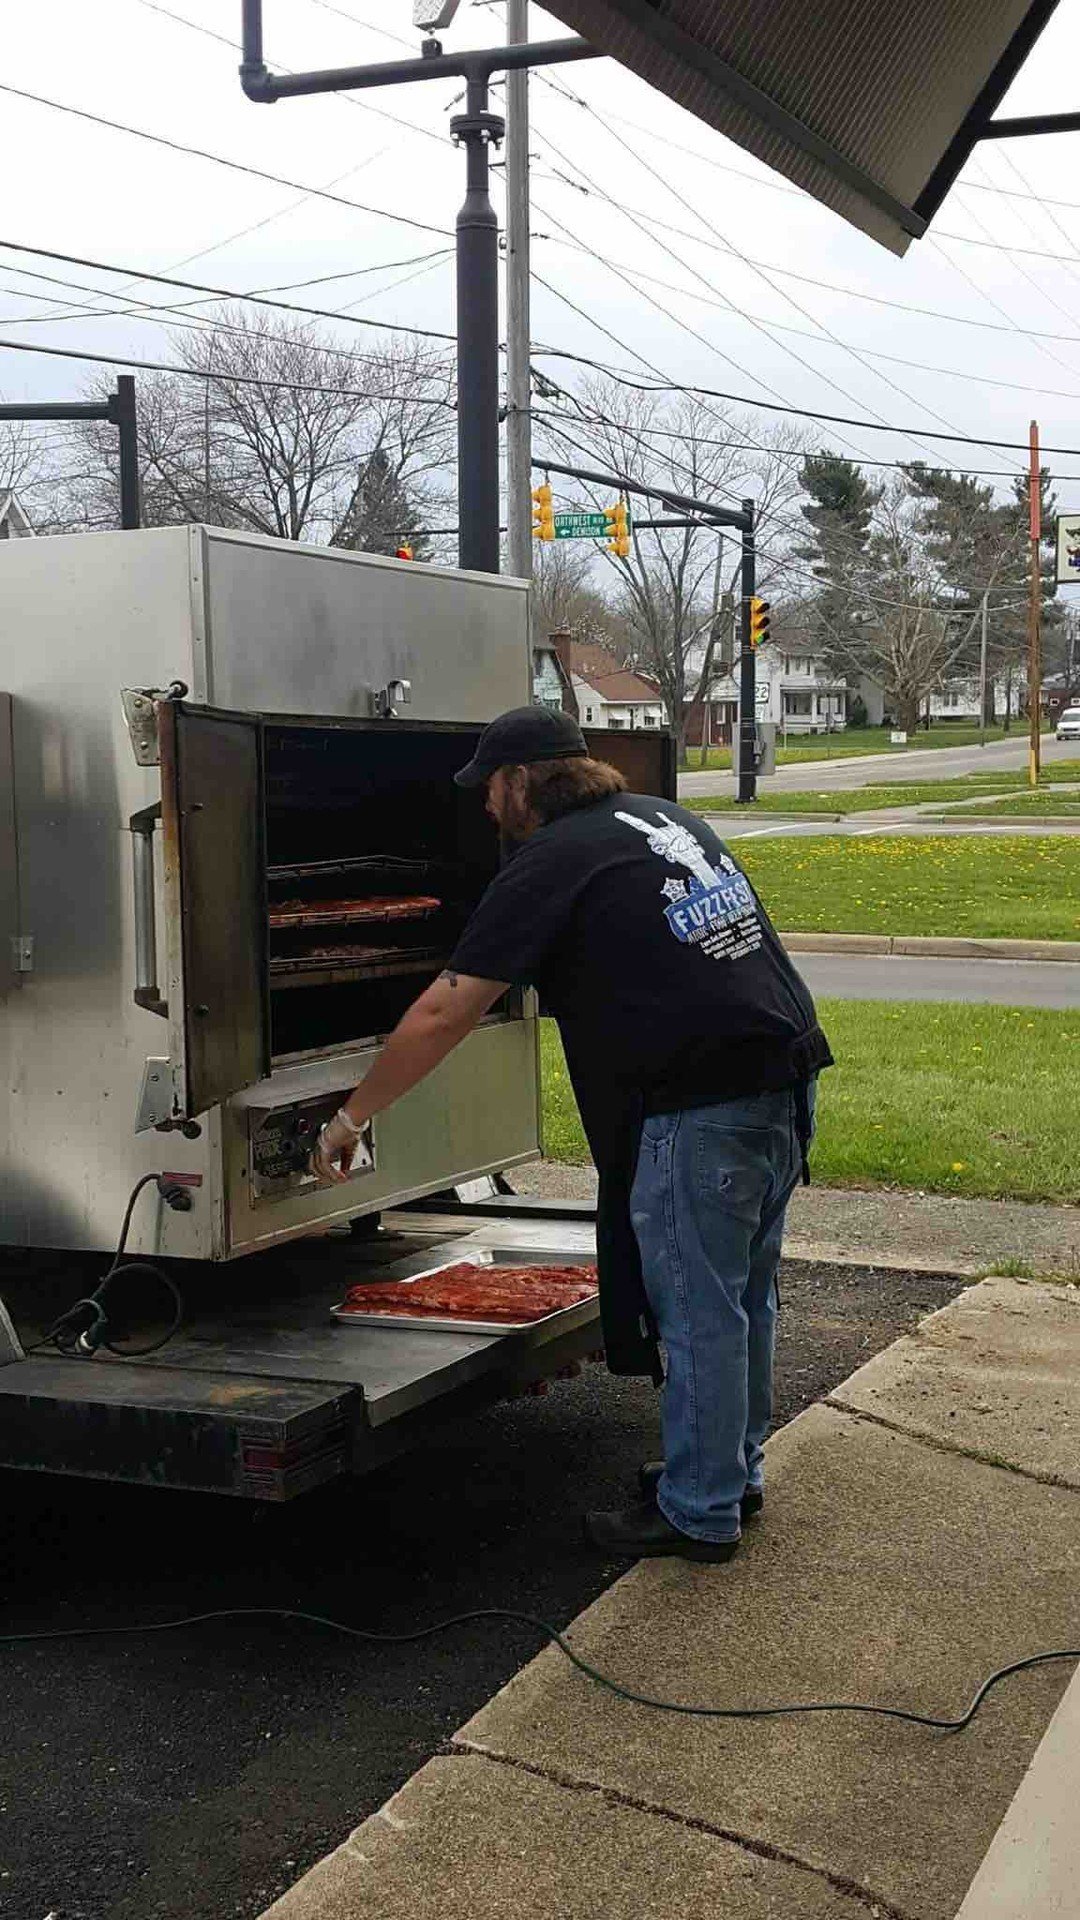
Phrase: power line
(797, 453)
(137, 275)
(625, 378)
(662, 180)
(219, 160)
(202, 375)
(876, 353)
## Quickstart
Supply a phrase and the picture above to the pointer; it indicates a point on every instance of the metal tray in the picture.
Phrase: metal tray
(430, 1323)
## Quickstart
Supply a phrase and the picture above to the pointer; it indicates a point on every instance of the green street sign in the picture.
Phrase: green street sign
(581, 526)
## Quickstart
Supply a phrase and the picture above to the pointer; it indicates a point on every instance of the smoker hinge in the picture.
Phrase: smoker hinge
(22, 953)
(140, 706)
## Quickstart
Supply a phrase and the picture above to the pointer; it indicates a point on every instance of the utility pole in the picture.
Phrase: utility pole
(477, 130)
(477, 229)
(747, 663)
(519, 543)
(983, 622)
(1034, 612)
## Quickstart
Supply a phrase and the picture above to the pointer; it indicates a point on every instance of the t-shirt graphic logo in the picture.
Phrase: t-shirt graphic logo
(716, 909)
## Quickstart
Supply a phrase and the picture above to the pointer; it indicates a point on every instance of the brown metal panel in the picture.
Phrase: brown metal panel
(644, 757)
(9, 852)
(857, 101)
(213, 832)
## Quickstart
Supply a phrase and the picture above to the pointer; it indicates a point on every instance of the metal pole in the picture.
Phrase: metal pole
(982, 670)
(519, 546)
(748, 664)
(1034, 611)
(478, 337)
(122, 412)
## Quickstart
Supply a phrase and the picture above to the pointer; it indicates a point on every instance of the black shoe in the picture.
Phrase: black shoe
(649, 1479)
(642, 1532)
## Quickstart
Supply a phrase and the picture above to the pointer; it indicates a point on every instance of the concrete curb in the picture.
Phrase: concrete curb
(944, 948)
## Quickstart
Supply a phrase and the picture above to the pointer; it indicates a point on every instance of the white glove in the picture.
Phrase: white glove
(335, 1149)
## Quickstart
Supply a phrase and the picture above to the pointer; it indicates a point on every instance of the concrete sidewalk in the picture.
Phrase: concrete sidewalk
(922, 1528)
(918, 1232)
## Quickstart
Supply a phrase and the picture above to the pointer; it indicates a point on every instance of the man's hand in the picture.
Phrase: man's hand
(335, 1150)
(444, 1013)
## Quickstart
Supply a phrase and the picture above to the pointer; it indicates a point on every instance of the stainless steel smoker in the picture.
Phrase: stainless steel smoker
(237, 856)
(231, 853)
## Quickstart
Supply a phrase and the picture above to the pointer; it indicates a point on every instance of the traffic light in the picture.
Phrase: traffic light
(404, 552)
(543, 514)
(760, 613)
(618, 529)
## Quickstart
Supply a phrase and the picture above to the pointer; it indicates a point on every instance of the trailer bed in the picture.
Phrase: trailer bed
(263, 1394)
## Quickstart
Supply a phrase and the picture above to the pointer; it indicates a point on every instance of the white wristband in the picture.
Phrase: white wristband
(348, 1123)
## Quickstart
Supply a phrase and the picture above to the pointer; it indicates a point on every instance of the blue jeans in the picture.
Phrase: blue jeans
(708, 1202)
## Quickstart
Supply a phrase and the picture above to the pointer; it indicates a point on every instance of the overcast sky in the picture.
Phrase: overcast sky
(997, 342)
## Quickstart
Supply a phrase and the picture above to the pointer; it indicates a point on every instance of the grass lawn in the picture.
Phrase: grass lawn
(1001, 887)
(1045, 802)
(856, 740)
(950, 1099)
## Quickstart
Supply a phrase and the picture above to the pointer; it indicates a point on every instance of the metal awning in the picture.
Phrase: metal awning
(872, 106)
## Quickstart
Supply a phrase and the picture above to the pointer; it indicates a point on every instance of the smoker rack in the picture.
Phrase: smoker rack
(340, 962)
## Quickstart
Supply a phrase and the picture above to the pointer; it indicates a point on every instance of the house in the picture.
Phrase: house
(959, 699)
(551, 680)
(796, 690)
(589, 681)
(1059, 690)
(619, 698)
(14, 524)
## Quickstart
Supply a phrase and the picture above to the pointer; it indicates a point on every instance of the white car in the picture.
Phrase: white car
(1068, 726)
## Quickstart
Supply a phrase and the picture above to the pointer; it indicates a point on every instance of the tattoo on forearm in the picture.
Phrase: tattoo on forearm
(449, 976)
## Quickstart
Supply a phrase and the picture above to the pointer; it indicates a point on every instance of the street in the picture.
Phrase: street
(1007, 983)
(935, 763)
(199, 1773)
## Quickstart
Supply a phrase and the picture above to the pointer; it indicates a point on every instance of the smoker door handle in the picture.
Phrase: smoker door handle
(147, 992)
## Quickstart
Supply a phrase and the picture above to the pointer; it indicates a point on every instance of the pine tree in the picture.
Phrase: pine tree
(840, 513)
(384, 512)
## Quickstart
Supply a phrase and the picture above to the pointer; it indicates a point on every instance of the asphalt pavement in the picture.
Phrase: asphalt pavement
(1006, 983)
(934, 763)
(201, 1772)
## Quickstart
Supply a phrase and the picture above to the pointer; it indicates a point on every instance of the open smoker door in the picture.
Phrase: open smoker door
(644, 757)
(215, 900)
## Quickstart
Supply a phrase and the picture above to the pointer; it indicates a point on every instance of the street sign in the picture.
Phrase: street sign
(582, 526)
(1068, 549)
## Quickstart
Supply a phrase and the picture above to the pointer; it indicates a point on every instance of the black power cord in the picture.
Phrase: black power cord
(558, 1639)
(85, 1326)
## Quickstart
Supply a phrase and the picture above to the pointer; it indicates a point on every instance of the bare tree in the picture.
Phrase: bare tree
(272, 429)
(672, 589)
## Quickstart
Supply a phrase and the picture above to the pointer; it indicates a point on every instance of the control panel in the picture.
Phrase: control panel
(281, 1139)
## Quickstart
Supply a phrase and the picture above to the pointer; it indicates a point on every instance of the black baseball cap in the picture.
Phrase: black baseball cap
(520, 737)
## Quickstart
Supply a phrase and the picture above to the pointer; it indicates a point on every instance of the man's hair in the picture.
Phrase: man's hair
(553, 787)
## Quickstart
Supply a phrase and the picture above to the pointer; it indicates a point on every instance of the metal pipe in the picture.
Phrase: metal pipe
(262, 85)
(717, 516)
(748, 664)
(519, 546)
(147, 992)
(478, 337)
(122, 413)
(1025, 124)
(58, 410)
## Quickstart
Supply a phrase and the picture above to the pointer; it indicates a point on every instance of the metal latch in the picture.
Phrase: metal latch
(22, 953)
(395, 694)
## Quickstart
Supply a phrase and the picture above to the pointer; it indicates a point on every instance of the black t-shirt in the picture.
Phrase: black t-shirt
(647, 942)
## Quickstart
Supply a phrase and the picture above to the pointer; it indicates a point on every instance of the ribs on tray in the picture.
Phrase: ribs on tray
(467, 1293)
